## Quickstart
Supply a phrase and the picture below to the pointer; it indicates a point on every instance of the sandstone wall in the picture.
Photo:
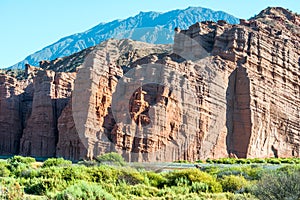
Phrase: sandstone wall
(233, 90)
(263, 81)
(10, 118)
(42, 103)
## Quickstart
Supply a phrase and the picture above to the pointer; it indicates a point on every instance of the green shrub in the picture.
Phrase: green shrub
(229, 171)
(175, 191)
(233, 183)
(252, 172)
(16, 169)
(212, 170)
(121, 190)
(84, 190)
(273, 160)
(50, 172)
(141, 190)
(154, 179)
(210, 161)
(243, 161)
(258, 160)
(130, 176)
(198, 187)
(73, 173)
(21, 159)
(289, 169)
(103, 173)
(188, 176)
(11, 189)
(225, 161)
(112, 158)
(279, 185)
(18, 164)
(296, 160)
(58, 162)
(181, 161)
(41, 186)
(285, 161)
(4, 171)
(29, 173)
(69, 174)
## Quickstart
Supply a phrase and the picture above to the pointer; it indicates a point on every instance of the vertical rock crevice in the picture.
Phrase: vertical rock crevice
(238, 113)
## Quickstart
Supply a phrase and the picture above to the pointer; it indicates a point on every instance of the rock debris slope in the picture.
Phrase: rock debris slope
(241, 100)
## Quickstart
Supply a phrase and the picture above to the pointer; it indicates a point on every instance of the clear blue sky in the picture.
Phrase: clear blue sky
(27, 26)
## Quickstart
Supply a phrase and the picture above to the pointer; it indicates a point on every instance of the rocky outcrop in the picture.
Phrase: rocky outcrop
(69, 143)
(29, 111)
(51, 92)
(36, 111)
(251, 75)
(92, 125)
(10, 115)
(225, 90)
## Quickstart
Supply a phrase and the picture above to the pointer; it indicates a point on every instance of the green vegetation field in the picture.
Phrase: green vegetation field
(111, 178)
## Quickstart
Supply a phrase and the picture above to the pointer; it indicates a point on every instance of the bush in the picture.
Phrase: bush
(289, 169)
(58, 162)
(188, 176)
(249, 172)
(141, 190)
(17, 164)
(198, 187)
(103, 173)
(233, 183)
(84, 190)
(225, 161)
(4, 172)
(21, 159)
(130, 176)
(154, 179)
(296, 160)
(113, 158)
(181, 161)
(11, 189)
(280, 185)
(273, 161)
(231, 171)
(41, 186)
(50, 172)
(258, 160)
(29, 173)
(243, 161)
(73, 173)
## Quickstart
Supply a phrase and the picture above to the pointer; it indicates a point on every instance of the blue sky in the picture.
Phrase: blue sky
(28, 26)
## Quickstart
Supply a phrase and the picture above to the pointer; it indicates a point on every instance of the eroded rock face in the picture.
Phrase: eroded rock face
(69, 144)
(10, 115)
(263, 86)
(51, 92)
(226, 90)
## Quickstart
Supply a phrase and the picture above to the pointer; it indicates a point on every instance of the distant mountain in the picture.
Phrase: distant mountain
(151, 27)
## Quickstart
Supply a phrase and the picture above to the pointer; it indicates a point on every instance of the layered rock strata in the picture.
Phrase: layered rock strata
(226, 90)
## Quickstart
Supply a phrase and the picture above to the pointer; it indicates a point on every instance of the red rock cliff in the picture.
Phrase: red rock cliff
(233, 91)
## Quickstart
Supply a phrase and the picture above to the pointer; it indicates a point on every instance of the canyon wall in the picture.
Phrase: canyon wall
(224, 91)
